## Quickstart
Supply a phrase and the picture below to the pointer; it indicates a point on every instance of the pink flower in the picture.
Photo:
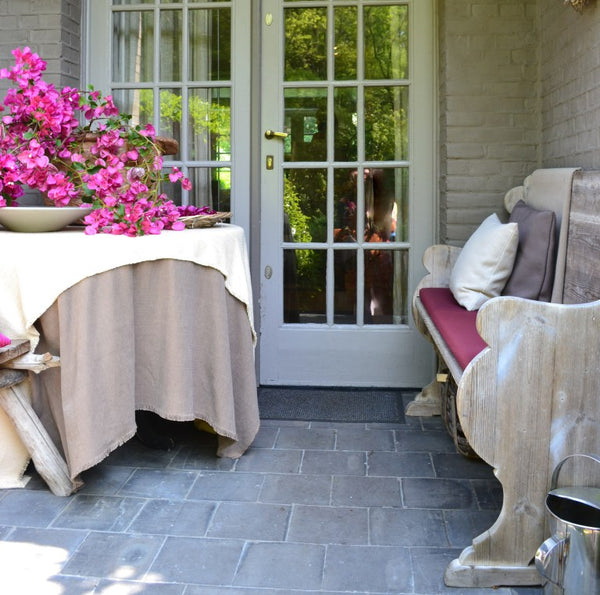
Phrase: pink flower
(41, 146)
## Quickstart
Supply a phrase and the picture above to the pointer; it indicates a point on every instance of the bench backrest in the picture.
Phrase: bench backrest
(582, 272)
(549, 189)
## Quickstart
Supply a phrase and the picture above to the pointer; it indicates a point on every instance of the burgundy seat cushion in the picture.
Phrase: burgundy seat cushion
(455, 323)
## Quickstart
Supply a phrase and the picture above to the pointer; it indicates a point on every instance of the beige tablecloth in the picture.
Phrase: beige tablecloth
(36, 267)
(168, 335)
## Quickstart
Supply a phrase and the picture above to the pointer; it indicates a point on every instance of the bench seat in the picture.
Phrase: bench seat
(456, 325)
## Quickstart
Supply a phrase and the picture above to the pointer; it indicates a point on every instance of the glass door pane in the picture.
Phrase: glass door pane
(347, 163)
(171, 67)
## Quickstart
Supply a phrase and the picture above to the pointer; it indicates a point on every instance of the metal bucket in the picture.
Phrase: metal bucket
(570, 559)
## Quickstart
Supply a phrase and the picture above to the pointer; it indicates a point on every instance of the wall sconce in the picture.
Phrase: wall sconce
(577, 4)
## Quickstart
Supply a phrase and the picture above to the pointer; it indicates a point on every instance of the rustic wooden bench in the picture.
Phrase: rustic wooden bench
(15, 364)
(530, 397)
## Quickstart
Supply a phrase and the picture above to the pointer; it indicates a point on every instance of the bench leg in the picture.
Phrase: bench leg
(459, 574)
(428, 402)
(46, 457)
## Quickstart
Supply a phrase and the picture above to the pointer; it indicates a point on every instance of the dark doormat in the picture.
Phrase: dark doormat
(333, 404)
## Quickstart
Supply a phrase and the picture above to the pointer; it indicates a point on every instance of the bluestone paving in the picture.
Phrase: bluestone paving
(312, 507)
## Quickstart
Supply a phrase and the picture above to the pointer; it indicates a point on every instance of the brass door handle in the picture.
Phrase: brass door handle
(269, 134)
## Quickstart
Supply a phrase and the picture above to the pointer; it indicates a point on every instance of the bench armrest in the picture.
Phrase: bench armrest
(438, 260)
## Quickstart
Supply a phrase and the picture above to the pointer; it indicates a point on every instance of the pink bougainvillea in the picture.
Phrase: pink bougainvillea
(43, 145)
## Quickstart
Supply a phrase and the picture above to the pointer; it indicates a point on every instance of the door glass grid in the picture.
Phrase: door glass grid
(171, 67)
(346, 163)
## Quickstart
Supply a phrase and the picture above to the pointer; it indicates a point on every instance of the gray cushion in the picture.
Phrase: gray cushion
(533, 272)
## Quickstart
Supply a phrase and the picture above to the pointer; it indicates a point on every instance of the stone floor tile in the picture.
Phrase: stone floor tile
(99, 513)
(253, 521)
(270, 461)
(462, 526)
(336, 425)
(458, 466)
(174, 517)
(329, 525)
(53, 585)
(334, 463)
(488, 493)
(203, 590)
(404, 527)
(201, 458)
(114, 555)
(30, 508)
(106, 587)
(266, 436)
(105, 480)
(414, 440)
(296, 489)
(369, 569)
(134, 454)
(286, 566)
(309, 438)
(399, 464)
(158, 483)
(366, 491)
(66, 540)
(437, 493)
(197, 561)
(285, 423)
(367, 440)
(426, 564)
(225, 485)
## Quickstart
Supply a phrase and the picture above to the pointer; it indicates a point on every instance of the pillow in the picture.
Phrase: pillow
(485, 263)
(533, 272)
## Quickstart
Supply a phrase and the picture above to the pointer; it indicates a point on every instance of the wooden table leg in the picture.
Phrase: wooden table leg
(46, 457)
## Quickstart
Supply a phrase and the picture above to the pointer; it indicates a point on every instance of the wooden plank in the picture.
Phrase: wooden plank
(16, 348)
(582, 273)
(46, 458)
(11, 377)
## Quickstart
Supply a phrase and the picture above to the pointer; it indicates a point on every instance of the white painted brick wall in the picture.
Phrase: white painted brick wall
(49, 27)
(488, 107)
(52, 29)
(570, 77)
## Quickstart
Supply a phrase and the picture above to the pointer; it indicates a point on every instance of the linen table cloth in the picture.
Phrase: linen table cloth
(162, 323)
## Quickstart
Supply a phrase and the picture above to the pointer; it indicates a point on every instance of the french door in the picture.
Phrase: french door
(347, 190)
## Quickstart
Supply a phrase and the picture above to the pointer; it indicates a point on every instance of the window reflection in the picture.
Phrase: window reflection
(170, 45)
(306, 124)
(209, 124)
(305, 205)
(133, 46)
(210, 44)
(304, 279)
(344, 306)
(137, 102)
(305, 44)
(385, 286)
(211, 186)
(386, 123)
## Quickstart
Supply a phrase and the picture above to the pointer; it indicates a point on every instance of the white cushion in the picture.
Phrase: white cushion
(485, 263)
